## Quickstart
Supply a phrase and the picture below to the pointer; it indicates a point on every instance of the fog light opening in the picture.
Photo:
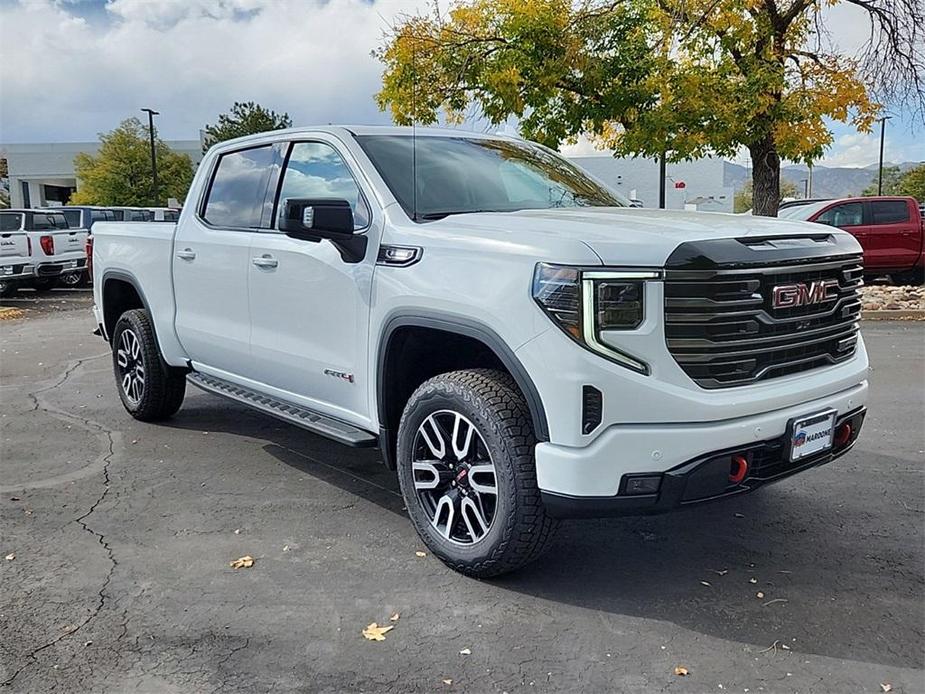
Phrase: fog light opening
(738, 469)
(843, 434)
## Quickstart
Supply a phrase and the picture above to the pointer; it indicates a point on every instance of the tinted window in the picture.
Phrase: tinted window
(171, 215)
(239, 186)
(316, 170)
(459, 174)
(46, 221)
(10, 221)
(102, 215)
(72, 217)
(888, 211)
(849, 214)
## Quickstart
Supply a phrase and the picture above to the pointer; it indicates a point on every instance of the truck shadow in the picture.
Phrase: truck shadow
(806, 563)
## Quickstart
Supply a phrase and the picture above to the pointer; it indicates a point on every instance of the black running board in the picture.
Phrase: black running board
(288, 412)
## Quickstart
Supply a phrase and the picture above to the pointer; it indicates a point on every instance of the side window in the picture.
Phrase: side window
(72, 217)
(847, 215)
(238, 189)
(316, 170)
(171, 215)
(10, 222)
(889, 211)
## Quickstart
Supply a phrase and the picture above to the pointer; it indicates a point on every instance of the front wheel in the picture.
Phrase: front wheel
(149, 389)
(8, 288)
(467, 473)
(74, 280)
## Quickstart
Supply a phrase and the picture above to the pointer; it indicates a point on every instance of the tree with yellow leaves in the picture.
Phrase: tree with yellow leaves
(682, 78)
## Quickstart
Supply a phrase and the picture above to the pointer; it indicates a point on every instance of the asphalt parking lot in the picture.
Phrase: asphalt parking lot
(117, 538)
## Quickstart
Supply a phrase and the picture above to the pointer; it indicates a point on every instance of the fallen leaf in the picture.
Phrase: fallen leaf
(721, 573)
(374, 632)
(285, 548)
(681, 671)
(244, 562)
(759, 595)
(886, 686)
(449, 681)
(10, 556)
(465, 651)
(237, 531)
(394, 617)
(419, 553)
(753, 580)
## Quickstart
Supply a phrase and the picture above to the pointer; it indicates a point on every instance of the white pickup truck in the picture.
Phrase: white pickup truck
(519, 343)
(39, 249)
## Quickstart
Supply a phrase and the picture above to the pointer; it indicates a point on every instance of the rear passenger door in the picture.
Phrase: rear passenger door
(849, 216)
(893, 233)
(211, 261)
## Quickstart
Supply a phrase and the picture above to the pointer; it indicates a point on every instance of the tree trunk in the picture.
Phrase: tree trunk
(765, 177)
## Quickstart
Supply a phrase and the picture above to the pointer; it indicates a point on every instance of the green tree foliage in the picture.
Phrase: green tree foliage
(120, 173)
(912, 182)
(685, 77)
(245, 118)
(743, 200)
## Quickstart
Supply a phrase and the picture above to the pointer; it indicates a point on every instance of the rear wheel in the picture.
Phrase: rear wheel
(8, 288)
(149, 389)
(467, 473)
(914, 277)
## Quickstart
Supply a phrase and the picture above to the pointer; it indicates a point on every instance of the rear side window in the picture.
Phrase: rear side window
(102, 215)
(239, 186)
(10, 221)
(171, 215)
(847, 215)
(888, 211)
(316, 170)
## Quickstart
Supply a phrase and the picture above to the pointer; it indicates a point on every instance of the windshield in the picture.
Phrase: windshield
(456, 175)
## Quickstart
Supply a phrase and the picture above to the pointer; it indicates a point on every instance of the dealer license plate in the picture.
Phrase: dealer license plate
(811, 435)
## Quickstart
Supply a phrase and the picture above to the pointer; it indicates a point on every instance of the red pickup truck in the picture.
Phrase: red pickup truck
(890, 230)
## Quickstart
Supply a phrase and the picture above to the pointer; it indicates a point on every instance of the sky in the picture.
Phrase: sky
(74, 68)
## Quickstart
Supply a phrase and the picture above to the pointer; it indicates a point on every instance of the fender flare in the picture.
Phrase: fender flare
(467, 327)
(124, 276)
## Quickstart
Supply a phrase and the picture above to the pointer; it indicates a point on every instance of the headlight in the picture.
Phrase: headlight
(585, 302)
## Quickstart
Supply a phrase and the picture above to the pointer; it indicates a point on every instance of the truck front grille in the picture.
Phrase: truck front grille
(723, 330)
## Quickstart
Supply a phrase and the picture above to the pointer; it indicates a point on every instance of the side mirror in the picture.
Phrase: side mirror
(317, 219)
(320, 217)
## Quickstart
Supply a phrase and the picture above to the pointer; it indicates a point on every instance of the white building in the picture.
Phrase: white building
(693, 185)
(43, 173)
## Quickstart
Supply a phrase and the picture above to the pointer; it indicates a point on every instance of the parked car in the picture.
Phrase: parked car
(55, 248)
(15, 253)
(82, 217)
(890, 230)
(518, 343)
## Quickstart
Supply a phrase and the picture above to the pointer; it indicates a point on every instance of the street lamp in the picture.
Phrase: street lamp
(151, 113)
(880, 178)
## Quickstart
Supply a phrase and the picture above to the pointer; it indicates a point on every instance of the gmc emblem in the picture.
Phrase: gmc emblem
(803, 294)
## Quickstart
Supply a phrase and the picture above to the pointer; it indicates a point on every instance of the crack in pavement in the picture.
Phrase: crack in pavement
(113, 440)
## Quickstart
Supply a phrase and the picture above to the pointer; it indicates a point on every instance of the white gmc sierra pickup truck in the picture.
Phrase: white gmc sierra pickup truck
(519, 343)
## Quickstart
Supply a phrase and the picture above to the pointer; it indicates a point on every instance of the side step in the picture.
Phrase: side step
(286, 411)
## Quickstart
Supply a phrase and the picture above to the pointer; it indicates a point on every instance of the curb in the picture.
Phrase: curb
(898, 314)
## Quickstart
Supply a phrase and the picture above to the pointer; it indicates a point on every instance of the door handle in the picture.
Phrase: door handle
(186, 254)
(265, 261)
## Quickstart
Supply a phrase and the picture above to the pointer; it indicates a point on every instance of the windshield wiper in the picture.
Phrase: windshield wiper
(430, 216)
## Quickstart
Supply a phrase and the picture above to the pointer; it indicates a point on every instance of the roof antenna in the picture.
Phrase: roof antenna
(414, 143)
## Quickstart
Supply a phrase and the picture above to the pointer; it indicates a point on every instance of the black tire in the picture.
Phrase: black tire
(916, 277)
(8, 288)
(44, 284)
(519, 530)
(162, 388)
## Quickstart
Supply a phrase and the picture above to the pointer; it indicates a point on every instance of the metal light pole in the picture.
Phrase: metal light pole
(151, 113)
(661, 181)
(880, 178)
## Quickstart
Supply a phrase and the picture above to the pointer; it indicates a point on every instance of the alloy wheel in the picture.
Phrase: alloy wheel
(455, 480)
(71, 279)
(131, 366)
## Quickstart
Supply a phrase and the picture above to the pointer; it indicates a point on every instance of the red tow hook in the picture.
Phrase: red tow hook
(738, 469)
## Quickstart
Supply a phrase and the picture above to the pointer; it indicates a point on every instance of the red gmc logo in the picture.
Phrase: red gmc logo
(803, 294)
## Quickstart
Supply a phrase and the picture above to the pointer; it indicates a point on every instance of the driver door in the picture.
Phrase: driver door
(309, 308)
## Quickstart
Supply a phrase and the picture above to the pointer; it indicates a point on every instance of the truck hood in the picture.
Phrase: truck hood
(619, 235)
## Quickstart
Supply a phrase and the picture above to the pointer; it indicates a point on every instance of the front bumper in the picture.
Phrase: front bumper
(16, 271)
(705, 478)
(59, 268)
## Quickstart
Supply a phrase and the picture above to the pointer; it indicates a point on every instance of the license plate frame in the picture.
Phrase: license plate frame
(810, 435)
